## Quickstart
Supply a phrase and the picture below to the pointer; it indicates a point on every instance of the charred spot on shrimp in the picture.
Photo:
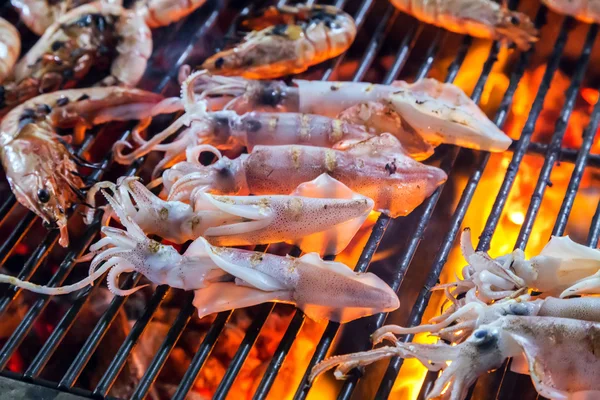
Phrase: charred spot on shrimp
(86, 45)
(391, 168)
(219, 62)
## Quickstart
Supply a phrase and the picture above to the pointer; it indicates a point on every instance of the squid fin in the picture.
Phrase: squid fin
(224, 296)
(334, 240)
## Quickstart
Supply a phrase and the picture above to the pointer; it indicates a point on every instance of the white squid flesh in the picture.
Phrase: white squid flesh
(376, 168)
(226, 278)
(320, 216)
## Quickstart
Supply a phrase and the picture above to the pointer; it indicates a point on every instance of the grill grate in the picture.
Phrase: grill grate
(181, 42)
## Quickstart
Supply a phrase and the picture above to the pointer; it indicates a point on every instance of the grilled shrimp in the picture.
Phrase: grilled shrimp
(226, 278)
(164, 12)
(10, 48)
(437, 112)
(376, 168)
(286, 40)
(94, 38)
(584, 10)
(560, 354)
(40, 169)
(38, 15)
(320, 216)
(478, 18)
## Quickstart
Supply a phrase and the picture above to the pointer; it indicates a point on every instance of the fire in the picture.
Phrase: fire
(412, 374)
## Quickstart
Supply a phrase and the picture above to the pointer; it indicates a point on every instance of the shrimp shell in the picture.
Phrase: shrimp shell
(478, 18)
(158, 13)
(10, 48)
(38, 15)
(288, 41)
(584, 10)
(133, 49)
(39, 167)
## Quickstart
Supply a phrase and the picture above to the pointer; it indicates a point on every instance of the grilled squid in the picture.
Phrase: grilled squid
(10, 48)
(39, 167)
(560, 354)
(226, 278)
(96, 38)
(485, 19)
(437, 112)
(286, 40)
(466, 315)
(320, 216)
(563, 268)
(376, 168)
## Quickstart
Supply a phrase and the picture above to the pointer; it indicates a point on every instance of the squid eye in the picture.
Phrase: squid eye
(515, 20)
(43, 195)
(485, 338)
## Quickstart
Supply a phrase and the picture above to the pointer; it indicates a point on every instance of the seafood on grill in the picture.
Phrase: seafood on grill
(226, 278)
(485, 19)
(376, 168)
(466, 315)
(584, 10)
(227, 130)
(38, 15)
(320, 216)
(563, 267)
(94, 38)
(560, 353)
(158, 13)
(10, 48)
(285, 40)
(438, 112)
(39, 167)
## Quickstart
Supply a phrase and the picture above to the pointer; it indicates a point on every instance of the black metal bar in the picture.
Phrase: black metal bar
(93, 340)
(165, 348)
(240, 356)
(118, 361)
(201, 355)
(594, 229)
(564, 155)
(524, 140)
(557, 138)
(582, 158)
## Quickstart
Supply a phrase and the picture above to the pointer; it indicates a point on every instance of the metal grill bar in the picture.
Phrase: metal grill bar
(557, 138)
(549, 161)
(525, 138)
(543, 181)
